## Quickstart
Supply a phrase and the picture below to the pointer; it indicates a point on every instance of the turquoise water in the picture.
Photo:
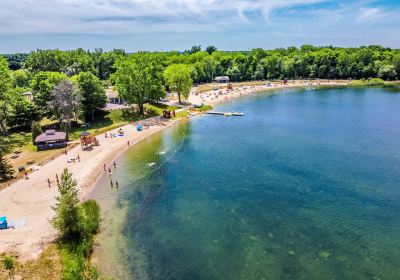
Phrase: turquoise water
(305, 186)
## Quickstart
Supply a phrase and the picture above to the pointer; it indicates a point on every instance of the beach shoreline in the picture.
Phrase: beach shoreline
(27, 203)
(220, 95)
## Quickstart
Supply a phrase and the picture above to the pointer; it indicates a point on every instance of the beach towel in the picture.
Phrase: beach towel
(17, 223)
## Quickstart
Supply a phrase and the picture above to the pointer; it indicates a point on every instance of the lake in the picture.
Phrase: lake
(306, 185)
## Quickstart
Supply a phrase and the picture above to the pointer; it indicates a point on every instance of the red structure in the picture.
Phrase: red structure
(88, 141)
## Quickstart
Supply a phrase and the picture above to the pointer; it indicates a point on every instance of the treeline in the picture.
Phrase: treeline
(27, 96)
(258, 64)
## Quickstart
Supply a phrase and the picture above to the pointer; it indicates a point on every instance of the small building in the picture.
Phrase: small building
(221, 79)
(28, 95)
(51, 139)
(113, 97)
(3, 223)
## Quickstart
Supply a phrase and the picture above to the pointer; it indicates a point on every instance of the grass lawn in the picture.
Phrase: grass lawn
(17, 141)
(109, 120)
(47, 266)
(115, 118)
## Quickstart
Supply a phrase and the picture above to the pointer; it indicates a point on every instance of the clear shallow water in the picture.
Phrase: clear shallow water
(305, 186)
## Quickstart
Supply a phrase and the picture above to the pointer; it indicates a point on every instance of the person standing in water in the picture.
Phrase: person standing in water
(117, 184)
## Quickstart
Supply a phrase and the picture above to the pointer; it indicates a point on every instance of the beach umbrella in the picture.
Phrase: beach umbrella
(85, 133)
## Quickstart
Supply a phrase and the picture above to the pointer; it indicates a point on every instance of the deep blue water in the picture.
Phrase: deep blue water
(305, 186)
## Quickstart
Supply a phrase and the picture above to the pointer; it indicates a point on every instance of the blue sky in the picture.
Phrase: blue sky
(153, 25)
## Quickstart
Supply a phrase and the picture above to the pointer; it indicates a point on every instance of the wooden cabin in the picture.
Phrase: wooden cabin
(51, 139)
(221, 79)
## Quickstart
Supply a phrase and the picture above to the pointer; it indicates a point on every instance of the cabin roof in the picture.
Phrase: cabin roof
(51, 135)
(221, 78)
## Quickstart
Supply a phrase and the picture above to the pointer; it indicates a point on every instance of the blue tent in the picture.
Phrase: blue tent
(3, 223)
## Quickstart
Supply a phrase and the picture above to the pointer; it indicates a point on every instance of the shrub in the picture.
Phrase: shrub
(36, 130)
(205, 108)
(6, 168)
(370, 82)
(89, 215)
(9, 264)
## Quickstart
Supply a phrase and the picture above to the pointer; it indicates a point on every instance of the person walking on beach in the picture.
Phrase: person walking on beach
(115, 165)
(79, 159)
(104, 167)
(26, 176)
(111, 183)
(117, 184)
(109, 171)
(48, 181)
(58, 181)
(128, 143)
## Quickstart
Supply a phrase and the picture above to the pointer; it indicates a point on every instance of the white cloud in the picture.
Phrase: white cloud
(132, 16)
(370, 14)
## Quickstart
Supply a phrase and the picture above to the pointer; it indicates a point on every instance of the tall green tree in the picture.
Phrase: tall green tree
(20, 78)
(139, 79)
(211, 49)
(104, 62)
(210, 66)
(6, 168)
(387, 72)
(195, 49)
(22, 112)
(177, 77)
(78, 61)
(234, 73)
(66, 219)
(42, 84)
(6, 83)
(93, 96)
(46, 60)
(396, 63)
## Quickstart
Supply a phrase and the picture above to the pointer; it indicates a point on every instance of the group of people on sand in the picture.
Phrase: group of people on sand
(110, 173)
(226, 94)
(216, 96)
(120, 133)
(73, 160)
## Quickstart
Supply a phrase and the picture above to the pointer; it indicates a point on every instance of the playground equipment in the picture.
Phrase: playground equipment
(88, 141)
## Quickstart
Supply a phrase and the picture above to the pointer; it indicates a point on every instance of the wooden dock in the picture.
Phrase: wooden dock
(226, 114)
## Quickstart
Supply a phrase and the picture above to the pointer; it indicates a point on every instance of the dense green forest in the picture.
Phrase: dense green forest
(69, 85)
(292, 63)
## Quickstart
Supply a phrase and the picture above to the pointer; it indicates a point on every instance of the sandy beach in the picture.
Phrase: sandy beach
(214, 97)
(27, 203)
